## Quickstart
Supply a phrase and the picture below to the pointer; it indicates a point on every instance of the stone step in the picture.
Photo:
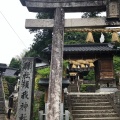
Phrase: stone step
(75, 84)
(88, 100)
(95, 115)
(2, 117)
(74, 88)
(2, 112)
(92, 111)
(89, 97)
(2, 104)
(2, 107)
(1, 98)
(91, 107)
(105, 118)
(92, 104)
(1, 93)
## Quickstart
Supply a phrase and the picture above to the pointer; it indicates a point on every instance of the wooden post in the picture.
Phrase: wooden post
(55, 79)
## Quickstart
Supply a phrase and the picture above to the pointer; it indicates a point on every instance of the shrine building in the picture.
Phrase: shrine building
(91, 56)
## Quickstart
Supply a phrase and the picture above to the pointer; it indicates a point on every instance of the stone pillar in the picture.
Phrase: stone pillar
(61, 111)
(55, 79)
(67, 115)
(26, 91)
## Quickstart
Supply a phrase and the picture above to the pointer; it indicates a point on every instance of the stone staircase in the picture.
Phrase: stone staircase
(73, 87)
(92, 106)
(2, 104)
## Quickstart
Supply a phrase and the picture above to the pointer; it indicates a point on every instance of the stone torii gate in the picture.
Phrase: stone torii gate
(59, 7)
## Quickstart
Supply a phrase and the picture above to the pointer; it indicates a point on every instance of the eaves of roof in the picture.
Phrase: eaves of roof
(91, 47)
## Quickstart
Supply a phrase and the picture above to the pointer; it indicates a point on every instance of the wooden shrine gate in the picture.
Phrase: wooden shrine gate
(59, 7)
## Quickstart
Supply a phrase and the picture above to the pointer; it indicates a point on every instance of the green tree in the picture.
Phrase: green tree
(74, 37)
(116, 62)
(15, 63)
(42, 38)
(90, 14)
(44, 73)
(90, 76)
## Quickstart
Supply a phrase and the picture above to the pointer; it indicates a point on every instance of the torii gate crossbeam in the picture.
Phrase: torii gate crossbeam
(68, 5)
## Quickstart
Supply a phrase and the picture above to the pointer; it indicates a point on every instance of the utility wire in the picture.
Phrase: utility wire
(13, 29)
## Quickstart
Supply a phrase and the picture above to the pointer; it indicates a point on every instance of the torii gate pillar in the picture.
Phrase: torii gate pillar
(55, 83)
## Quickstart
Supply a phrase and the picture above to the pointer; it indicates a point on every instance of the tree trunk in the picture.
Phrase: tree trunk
(55, 79)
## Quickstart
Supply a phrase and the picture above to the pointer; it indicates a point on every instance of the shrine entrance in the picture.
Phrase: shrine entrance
(59, 7)
(102, 69)
(83, 58)
(96, 57)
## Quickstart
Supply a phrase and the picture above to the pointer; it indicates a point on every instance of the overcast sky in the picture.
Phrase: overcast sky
(14, 38)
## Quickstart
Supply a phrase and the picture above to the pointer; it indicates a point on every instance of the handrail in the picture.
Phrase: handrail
(78, 86)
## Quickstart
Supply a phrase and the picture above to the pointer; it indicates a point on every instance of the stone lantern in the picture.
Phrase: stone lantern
(44, 82)
(113, 11)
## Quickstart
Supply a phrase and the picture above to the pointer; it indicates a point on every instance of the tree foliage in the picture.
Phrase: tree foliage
(90, 14)
(44, 73)
(74, 37)
(90, 76)
(42, 38)
(15, 63)
(11, 82)
(116, 61)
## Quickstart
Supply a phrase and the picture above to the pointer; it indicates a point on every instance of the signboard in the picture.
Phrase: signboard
(25, 96)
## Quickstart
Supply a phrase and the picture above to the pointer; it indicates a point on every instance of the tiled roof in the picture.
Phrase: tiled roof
(2, 67)
(10, 72)
(86, 51)
(91, 47)
(88, 47)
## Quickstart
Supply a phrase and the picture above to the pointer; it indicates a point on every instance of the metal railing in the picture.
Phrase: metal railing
(66, 115)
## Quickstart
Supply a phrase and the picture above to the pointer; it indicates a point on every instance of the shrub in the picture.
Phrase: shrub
(87, 88)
